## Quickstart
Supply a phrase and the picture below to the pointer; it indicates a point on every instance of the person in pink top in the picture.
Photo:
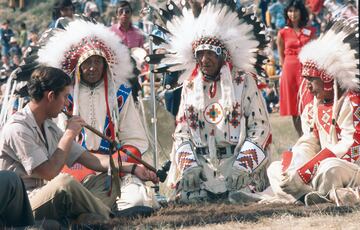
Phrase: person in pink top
(130, 35)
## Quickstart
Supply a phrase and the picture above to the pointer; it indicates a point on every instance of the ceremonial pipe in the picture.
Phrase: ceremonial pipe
(97, 132)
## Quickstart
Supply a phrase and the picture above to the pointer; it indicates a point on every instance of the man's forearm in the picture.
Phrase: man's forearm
(52, 167)
(60, 155)
(101, 163)
(126, 167)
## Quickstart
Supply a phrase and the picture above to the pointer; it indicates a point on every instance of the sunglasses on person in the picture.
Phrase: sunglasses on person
(124, 11)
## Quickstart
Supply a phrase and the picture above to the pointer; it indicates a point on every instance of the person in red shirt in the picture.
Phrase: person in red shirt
(315, 6)
(290, 39)
(130, 36)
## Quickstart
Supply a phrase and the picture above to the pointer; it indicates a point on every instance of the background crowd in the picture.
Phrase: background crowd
(133, 28)
(290, 25)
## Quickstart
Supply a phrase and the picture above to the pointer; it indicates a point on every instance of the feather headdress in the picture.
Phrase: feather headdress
(334, 56)
(220, 27)
(68, 48)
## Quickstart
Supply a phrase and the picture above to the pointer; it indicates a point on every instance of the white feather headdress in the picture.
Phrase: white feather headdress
(70, 47)
(334, 55)
(67, 49)
(239, 34)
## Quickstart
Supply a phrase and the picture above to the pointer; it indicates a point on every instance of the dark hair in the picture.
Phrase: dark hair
(59, 5)
(304, 15)
(196, 8)
(22, 25)
(123, 4)
(6, 21)
(46, 78)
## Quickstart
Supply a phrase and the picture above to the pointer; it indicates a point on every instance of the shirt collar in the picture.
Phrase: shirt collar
(30, 118)
(122, 29)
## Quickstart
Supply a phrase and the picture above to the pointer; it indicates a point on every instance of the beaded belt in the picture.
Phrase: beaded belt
(228, 150)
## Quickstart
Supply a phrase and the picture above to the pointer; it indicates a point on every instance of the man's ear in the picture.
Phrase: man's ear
(50, 95)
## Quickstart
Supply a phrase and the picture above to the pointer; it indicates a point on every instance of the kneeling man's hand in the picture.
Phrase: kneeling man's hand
(237, 179)
(291, 183)
(144, 174)
(191, 179)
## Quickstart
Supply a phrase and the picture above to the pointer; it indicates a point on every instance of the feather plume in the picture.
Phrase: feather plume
(337, 53)
(242, 35)
(75, 31)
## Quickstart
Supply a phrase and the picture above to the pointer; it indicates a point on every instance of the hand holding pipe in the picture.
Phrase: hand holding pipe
(161, 173)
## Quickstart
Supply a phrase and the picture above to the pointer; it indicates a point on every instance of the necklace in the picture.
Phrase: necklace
(327, 100)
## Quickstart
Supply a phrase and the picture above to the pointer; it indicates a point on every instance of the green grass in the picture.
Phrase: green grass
(37, 14)
(284, 134)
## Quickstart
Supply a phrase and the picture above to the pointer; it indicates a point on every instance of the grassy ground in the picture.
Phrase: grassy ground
(317, 221)
(284, 134)
(37, 14)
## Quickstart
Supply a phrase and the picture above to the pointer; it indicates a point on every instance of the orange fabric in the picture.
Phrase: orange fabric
(125, 157)
(79, 172)
(286, 160)
(268, 18)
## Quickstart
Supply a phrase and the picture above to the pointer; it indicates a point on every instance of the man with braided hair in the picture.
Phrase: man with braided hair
(222, 136)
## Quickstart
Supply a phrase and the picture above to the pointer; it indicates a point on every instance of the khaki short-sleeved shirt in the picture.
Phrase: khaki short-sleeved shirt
(23, 146)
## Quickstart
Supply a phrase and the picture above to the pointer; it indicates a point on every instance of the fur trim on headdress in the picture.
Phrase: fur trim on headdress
(237, 35)
(334, 55)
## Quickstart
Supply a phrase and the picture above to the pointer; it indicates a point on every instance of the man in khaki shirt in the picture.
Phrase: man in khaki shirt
(36, 149)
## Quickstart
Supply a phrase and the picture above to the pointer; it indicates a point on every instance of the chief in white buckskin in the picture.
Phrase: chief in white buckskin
(325, 160)
(222, 136)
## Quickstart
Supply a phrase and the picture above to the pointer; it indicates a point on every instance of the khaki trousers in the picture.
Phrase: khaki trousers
(64, 198)
(134, 193)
